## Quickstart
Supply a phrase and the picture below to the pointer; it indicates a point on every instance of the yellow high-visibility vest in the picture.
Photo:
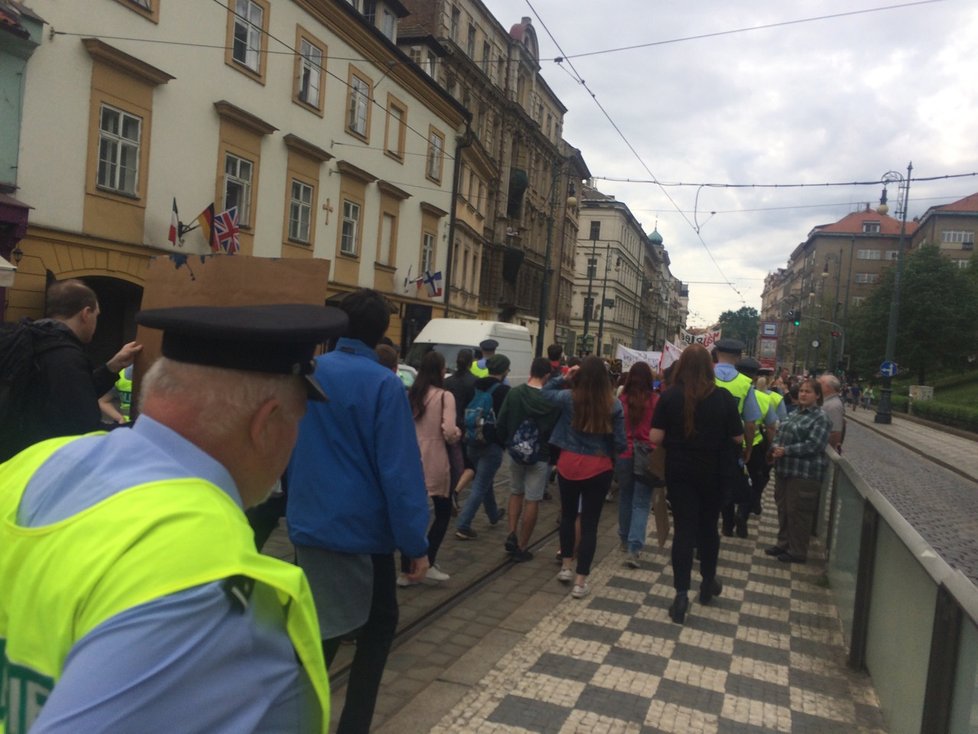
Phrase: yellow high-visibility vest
(62, 580)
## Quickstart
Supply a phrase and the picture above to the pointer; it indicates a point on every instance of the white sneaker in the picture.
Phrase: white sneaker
(580, 590)
(436, 574)
(565, 576)
(403, 580)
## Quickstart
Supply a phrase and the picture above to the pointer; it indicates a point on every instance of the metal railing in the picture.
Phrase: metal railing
(908, 617)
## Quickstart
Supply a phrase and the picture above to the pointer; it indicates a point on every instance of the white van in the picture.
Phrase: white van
(449, 336)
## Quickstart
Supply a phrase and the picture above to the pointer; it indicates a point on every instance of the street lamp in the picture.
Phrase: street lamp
(547, 270)
(884, 411)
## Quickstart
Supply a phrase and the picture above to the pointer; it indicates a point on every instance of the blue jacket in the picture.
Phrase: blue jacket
(355, 482)
(590, 444)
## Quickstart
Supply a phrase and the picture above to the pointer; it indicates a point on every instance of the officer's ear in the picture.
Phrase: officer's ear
(266, 425)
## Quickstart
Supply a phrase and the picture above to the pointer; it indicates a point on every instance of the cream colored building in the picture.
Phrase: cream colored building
(304, 114)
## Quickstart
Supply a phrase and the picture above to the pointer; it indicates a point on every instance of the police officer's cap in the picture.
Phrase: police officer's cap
(276, 339)
(489, 345)
(730, 346)
(749, 366)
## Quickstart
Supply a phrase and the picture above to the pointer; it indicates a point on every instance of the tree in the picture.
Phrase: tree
(741, 324)
(938, 310)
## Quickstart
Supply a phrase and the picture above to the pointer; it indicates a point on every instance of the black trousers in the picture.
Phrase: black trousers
(374, 641)
(589, 494)
(436, 533)
(695, 510)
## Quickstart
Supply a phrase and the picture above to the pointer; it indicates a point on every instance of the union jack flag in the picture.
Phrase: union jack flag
(226, 230)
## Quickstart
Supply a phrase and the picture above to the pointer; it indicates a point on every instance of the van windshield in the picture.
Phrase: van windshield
(448, 351)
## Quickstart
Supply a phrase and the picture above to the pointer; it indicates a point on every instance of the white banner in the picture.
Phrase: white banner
(629, 357)
(670, 354)
(706, 338)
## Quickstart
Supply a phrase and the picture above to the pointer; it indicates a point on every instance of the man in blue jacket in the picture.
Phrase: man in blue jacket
(357, 494)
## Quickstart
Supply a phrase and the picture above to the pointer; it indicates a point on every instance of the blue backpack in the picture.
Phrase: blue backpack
(524, 445)
(480, 418)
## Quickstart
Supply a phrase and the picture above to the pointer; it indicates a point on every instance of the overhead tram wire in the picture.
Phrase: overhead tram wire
(580, 80)
(733, 31)
(829, 184)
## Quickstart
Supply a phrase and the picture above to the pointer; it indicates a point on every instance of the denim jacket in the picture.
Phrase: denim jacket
(570, 439)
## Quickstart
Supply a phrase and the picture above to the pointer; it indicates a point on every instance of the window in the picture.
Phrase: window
(871, 227)
(857, 300)
(892, 255)
(867, 278)
(954, 237)
(485, 62)
(350, 229)
(962, 264)
(427, 253)
(595, 230)
(470, 42)
(309, 71)
(388, 24)
(436, 155)
(453, 28)
(247, 44)
(369, 11)
(238, 174)
(118, 150)
(358, 102)
(396, 128)
(868, 254)
(300, 212)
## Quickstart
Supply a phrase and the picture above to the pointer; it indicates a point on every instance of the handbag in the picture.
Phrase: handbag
(650, 464)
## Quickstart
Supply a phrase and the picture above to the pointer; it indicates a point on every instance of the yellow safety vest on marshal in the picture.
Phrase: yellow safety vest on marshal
(739, 387)
(60, 581)
(764, 403)
(478, 371)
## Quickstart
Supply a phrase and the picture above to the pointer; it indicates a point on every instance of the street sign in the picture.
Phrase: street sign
(769, 328)
(889, 369)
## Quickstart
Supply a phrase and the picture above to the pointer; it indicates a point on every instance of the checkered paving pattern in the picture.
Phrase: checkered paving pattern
(765, 656)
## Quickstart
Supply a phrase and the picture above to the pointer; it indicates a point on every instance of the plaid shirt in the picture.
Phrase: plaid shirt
(804, 437)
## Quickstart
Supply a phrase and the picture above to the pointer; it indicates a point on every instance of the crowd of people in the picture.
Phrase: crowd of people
(239, 415)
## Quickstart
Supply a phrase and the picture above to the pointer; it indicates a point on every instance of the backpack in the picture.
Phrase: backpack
(20, 345)
(524, 445)
(480, 418)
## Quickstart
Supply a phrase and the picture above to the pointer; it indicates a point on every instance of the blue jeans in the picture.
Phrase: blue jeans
(486, 460)
(634, 501)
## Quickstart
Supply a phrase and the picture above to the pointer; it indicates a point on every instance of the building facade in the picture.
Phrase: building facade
(515, 169)
(952, 228)
(304, 115)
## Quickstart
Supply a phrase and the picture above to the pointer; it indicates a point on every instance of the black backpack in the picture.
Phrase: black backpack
(20, 346)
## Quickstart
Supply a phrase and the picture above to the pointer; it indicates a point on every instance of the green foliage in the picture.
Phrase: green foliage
(958, 416)
(936, 321)
(741, 324)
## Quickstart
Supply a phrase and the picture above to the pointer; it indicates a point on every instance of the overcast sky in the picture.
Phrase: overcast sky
(837, 100)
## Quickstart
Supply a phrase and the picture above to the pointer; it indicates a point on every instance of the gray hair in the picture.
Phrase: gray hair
(831, 381)
(761, 384)
(223, 398)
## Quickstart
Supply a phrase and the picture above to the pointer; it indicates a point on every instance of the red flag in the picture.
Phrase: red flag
(206, 222)
(174, 225)
(226, 230)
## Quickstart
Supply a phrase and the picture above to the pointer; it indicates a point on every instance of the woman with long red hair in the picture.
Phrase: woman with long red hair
(590, 433)
(638, 401)
(699, 425)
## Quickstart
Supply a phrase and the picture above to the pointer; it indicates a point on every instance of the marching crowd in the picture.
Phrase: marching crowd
(127, 554)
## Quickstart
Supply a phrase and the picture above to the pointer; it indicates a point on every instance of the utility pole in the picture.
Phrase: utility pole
(545, 290)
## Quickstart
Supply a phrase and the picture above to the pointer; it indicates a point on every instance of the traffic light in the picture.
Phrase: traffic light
(796, 317)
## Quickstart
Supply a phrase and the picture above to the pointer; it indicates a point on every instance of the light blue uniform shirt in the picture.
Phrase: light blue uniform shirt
(186, 662)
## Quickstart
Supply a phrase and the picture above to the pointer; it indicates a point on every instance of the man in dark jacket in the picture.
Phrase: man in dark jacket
(525, 423)
(486, 458)
(64, 393)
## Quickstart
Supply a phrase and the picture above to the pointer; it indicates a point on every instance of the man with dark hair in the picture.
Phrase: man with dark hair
(461, 384)
(62, 397)
(487, 457)
(554, 354)
(357, 494)
(525, 423)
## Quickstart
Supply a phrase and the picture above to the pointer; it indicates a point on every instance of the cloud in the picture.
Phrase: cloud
(837, 100)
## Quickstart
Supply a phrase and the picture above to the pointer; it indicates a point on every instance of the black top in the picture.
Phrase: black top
(716, 420)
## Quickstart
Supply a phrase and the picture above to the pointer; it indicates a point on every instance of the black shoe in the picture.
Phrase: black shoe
(677, 612)
(788, 558)
(499, 516)
(512, 544)
(726, 527)
(547, 495)
(466, 534)
(521, 556)
(775, 550)
(710, 589)
(756, 508)
(741, 528)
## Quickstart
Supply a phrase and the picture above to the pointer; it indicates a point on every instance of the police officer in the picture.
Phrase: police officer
(144, 606)
(727, 353)
(488, 348)
(767, 402)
